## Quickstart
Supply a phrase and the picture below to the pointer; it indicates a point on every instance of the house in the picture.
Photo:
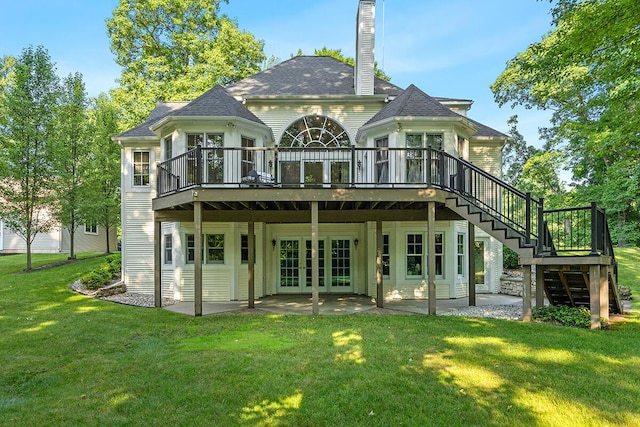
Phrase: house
(88, 238)
(316, 177)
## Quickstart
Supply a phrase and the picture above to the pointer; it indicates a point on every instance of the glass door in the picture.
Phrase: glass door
(341, 265)
(289, 266)
(321, 265)
(480, 254)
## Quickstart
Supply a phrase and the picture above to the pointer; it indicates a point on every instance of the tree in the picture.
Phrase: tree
(174, 50)
(515, 153)
(586, 72)
(71, 156)
(103, 177)
(27, 151)
(337, 54)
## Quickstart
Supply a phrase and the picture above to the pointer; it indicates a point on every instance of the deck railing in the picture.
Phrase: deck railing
(552, 232)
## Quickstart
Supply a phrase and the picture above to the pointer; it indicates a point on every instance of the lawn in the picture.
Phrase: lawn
(66, 359)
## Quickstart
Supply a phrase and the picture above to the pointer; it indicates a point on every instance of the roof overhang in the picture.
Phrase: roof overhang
(175, 121)
(467, 128)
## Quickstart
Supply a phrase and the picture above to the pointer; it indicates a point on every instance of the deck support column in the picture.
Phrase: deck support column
(157, 262)
(251, 267)
(539, 286)
(526, 293)
(431, 256)
(604, 293)
(197, 258)
(471, 242)
(595, 295)
(379, 281)
(315, 262)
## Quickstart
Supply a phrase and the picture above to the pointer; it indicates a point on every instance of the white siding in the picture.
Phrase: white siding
(487, 156)
(45, 242)
(350, 115)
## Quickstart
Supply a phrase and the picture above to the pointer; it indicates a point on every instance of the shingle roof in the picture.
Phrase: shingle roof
(161, 110)
(486, 131)
(216, 102)
(307, 75)
(415, 103)
(412, 103)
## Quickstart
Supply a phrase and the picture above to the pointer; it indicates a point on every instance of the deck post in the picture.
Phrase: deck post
(471, 238)
(526, 293)
(431, 256)
(379, 281)
(157, 262)
(539, 286)
(251, 243)
(594, 295)
(604, 293)
(315, 262)
(197, 258)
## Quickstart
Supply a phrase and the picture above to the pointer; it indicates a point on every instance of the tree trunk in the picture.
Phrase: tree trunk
(28, 255)
(72, 238)
(107, 234)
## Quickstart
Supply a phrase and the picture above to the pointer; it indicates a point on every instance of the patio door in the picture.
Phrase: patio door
(334, 265)
(482, 257)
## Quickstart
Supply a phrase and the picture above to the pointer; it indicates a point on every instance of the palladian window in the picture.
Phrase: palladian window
(315, 150)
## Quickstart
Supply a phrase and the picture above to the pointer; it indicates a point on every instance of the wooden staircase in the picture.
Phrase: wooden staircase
(564, 242)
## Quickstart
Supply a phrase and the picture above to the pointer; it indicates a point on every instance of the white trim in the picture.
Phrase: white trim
(1, 235)
(91, 226)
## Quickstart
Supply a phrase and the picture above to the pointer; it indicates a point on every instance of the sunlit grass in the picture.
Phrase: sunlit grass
(66, 359)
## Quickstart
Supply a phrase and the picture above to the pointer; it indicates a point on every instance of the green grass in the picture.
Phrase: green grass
(66, 359)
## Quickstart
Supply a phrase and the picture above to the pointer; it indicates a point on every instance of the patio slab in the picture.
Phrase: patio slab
(340, 304)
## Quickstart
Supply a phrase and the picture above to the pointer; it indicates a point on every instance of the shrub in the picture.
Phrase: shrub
(103, 274)
(579, 317)
(510, 259)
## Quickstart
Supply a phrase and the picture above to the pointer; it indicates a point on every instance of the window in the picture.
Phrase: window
(386, 258)
(168, 147)
(215, 248)
(439, 255)
(416, 253)
(90, 229)
(212, 248)
(460, 255)
(244, 248)
(168, 249)
(315, 131)
(248, 160)
(141, 168)
(213, 156)
(416, 155)
(382, 160)
(415, 250)
(415, 158)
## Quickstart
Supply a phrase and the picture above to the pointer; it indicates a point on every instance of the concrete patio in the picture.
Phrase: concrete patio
(336, 304)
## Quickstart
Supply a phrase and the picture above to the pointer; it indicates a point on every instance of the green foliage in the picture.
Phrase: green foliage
(72, 154)
(174, 50)
(28, 107)
(585, 72)
(103, 274)
(510, 259)
(102, 202)
(579, 317)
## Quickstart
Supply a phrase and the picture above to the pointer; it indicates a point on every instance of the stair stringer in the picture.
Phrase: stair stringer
(491, 226)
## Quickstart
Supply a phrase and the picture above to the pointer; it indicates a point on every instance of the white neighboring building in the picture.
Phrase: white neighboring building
(88, 238)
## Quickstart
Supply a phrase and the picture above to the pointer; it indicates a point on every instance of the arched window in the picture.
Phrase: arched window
(315, 131)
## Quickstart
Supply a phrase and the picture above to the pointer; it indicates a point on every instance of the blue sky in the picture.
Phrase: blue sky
(452, 48)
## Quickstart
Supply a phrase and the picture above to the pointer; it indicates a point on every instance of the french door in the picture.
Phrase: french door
(334, 265)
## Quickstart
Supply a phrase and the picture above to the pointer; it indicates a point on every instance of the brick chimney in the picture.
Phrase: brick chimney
(365, 47)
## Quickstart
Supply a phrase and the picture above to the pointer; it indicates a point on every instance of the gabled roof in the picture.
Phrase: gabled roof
(413, 103)
(216, 102)
(307, 76)
(161, 110)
